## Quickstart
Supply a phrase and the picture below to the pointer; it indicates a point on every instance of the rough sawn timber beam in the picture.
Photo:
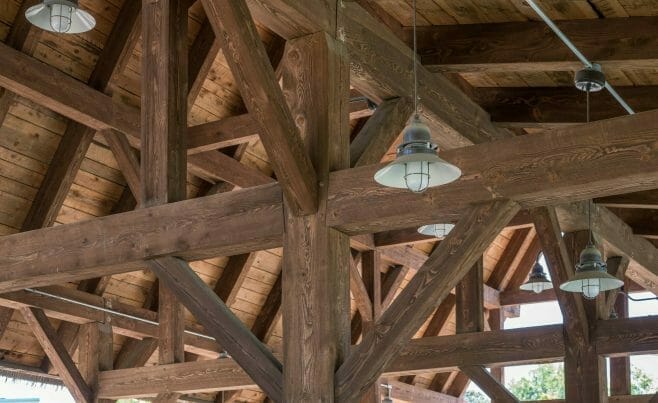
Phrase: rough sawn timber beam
(442, 271)
(626, 159)
(261, 93)
(428, 354)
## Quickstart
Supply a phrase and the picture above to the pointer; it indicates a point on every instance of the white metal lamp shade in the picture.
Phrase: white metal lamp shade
(537, 282)
(591, 276)
(417, 166)
(62, 16)
(436, 230)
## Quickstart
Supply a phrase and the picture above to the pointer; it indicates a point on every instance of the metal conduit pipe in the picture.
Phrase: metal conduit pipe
(110, 311)
(577, 52)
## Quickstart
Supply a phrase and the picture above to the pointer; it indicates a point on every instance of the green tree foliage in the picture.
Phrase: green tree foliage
(544, 382)
(473, 396)
(641, 383)
(547, 382)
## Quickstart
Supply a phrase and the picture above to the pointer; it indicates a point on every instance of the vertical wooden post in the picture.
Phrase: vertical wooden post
(95, 353)
(371, 273)
(315, 300)
(497, 322)
(164, 125)
(620, 367)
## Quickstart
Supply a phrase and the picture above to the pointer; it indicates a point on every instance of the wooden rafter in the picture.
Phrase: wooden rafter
(249, 63)
(505, 47)
(23, 37)
(380, 132)
(221, 323)
(62, 361)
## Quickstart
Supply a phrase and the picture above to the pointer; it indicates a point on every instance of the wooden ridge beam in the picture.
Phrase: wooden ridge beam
(529, 46)
(429, 354)
(492, 170)
(247, 58)
(62, 361)
(444, 268)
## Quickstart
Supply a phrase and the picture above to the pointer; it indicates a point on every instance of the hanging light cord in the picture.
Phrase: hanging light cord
(415, 68)
(589, 202)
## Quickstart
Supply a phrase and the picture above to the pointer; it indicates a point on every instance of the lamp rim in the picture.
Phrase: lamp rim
(607, 281)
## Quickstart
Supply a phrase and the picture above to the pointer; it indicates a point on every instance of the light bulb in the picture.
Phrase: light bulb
(591, 288)
(537, 287)
(60, 17)
(417, 175)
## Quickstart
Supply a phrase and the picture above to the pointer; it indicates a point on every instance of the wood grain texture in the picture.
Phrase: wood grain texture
(77, 138)
(360, 293)
(517, 168)
(381, 69)
(530, 46)
(380, 131)
(469, 303)
(504, 269)
(270, 314)
(647, 199)
(247, 58)
(442, 271)
(201, 55)
(127, 159)
(42, 84)
(96, 353)
(221, 323)
(315, 81)
(47, 337)
(233, 275)
(222, 133)
(214, 166)
(146, 233)
(24, 37)
(164, 102)
(443, 353)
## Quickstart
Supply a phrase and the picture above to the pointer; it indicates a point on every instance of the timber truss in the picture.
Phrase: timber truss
(322, 202)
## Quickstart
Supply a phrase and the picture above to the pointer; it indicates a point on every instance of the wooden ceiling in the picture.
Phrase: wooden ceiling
(55, 171)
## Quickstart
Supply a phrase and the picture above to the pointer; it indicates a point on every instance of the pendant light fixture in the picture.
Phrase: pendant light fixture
(61, 16)
(417, 165)
(591, 275)
(538, 281)
(436, 230)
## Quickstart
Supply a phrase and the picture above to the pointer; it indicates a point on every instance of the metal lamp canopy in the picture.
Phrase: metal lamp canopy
(61, 16)
(591, 276)
(436, 230)
(417, 165)
(538, 281)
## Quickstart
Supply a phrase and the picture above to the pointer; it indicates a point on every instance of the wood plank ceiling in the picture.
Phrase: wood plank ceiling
(98, 180)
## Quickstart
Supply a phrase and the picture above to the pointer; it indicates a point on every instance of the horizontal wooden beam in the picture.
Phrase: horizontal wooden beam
(56, 308)
(44, 84)
(520, 168)
(429, 354)
(243, 221)
(531, 46)
(542, 169)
